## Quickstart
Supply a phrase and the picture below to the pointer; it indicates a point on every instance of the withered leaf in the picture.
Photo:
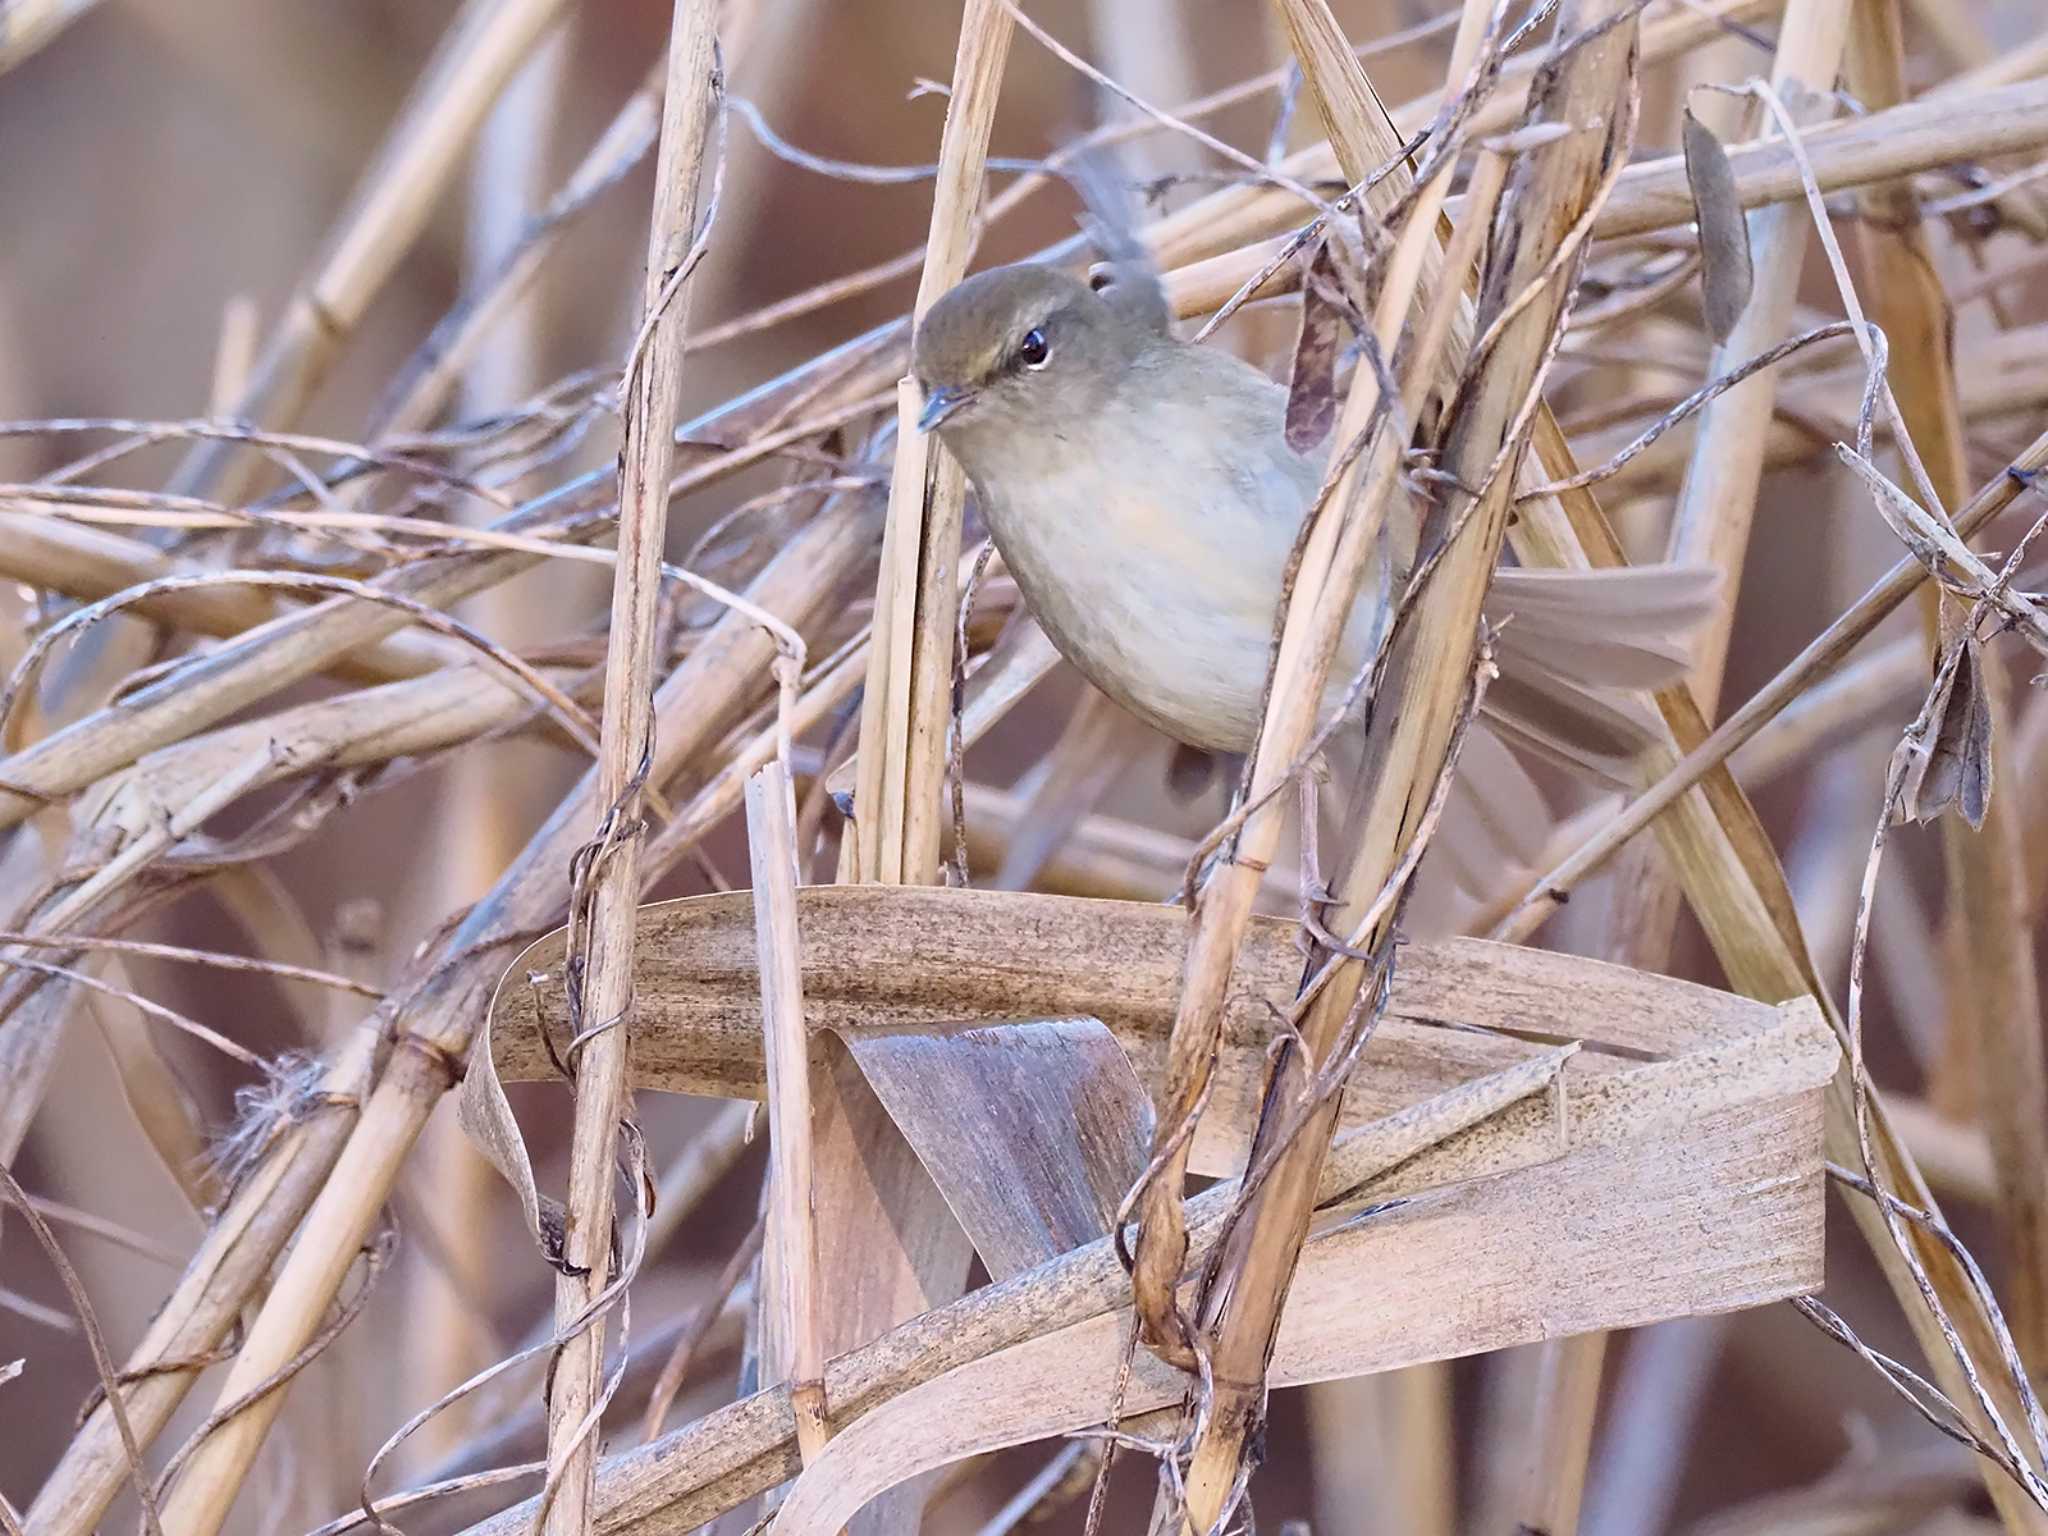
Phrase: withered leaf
(1726, 273)
(1059, 1128)
(1312, 386)
(1952, 766)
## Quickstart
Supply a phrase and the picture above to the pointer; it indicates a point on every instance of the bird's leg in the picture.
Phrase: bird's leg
(1316, 894)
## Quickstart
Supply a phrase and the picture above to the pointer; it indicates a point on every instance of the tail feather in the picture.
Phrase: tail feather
(1560, 721)
(1571, 637)
(1573, 647)
(1628, 627)
(1497, 792)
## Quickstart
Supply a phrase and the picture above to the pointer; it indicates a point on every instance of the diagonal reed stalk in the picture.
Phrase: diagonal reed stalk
(1587, 88)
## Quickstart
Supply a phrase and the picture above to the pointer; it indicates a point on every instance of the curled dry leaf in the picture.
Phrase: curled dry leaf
(1312, 385)
(1726, 272)
(1935, 543)
(486, 1118)
(1951, 765)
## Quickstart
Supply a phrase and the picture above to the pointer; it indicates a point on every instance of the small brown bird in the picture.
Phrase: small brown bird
(1144, 496)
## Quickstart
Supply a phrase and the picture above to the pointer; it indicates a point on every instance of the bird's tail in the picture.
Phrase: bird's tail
(1575, 650)
(1573, 645)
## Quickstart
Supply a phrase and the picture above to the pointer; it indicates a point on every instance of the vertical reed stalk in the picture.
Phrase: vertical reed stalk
(603, 970)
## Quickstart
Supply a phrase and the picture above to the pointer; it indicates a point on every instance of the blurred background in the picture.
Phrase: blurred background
(170, 173)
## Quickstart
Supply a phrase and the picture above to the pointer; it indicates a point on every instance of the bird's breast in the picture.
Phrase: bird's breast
(1166, 607)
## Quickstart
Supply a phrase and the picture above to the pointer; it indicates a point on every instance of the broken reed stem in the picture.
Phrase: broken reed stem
(790, 1298)
(906, 710)
(1992, 1054)
(603, 972)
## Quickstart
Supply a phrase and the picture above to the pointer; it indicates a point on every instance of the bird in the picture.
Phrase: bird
(1144, 497)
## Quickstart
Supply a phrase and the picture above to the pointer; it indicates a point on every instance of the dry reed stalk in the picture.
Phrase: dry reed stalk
(2025, 62)
(477, 829)
(907, 702)
(610, 889)
(1718, 876)
(163, 1107)
(239, 673)
(1559, 1433)
(1329, 573)
(891, 1248)
(385, 215)
(697, 1473)
(2011, 385)
(435, 1016)
(1815, 662)
(1993, 1038)
(1237, 215)
(1657, 1397)
(1384, 1449)
(1736, 887)
(1738, 891)
(1717, 500)
(687, 1182)
(1587, 87)
(233, 1259)
(430, 377)
(1644, 892)
(261, 661)
(1654, 195)
(1093, 751)
(1640, 923)
(1104, 856)
(793, 1347)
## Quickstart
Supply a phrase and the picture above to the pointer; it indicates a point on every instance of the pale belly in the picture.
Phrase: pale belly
(1174, 626)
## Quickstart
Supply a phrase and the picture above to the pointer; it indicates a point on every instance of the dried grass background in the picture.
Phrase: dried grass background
(169, 177)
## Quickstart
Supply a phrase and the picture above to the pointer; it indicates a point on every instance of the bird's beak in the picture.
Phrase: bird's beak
(941, 403)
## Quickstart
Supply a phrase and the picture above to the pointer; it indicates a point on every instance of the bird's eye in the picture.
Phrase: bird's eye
(1034, 349)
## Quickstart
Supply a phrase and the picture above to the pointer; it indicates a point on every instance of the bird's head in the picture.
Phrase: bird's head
(1027, 352)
